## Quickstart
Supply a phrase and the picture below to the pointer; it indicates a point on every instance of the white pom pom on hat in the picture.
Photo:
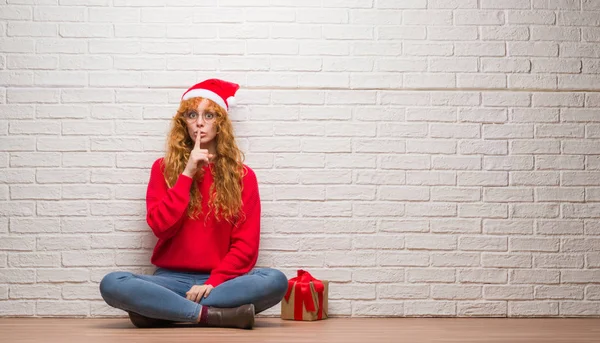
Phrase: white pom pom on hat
(220, 91)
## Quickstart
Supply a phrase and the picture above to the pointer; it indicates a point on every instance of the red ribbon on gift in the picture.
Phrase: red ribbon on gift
(303, 296)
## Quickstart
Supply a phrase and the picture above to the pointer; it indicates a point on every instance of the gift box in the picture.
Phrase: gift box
(306, 298)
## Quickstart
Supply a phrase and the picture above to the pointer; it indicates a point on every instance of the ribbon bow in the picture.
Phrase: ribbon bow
(303, 295)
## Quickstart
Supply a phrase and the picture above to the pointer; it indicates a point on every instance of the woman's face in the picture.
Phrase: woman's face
(202, 119)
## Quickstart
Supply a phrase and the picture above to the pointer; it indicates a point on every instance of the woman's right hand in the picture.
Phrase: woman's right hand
(198, 158)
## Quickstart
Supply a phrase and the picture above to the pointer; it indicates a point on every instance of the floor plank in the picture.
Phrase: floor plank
(348, 330)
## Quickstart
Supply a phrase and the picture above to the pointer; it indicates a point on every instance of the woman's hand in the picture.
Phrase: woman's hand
(198, 158)
(196, 293)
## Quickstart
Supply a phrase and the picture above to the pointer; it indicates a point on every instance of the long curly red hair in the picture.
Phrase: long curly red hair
(227, 171)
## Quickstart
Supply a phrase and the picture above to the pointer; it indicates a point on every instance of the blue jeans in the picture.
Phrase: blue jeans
(162, 295)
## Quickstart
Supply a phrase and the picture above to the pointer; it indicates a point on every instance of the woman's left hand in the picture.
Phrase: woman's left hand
(196, 293)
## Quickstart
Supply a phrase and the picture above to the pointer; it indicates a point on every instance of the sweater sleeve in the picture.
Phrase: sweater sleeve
(243, 250)
(165, 206)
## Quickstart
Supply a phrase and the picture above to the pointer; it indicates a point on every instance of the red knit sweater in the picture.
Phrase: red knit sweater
(216, 247)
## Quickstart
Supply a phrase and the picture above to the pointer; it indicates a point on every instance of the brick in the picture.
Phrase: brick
(468, 178)
(478, 17)
(592, 293)
(455, 163)
(507, 131)
(513, 260)
(35, 159)
(380, 275)
(496, 49)
(407, 259)
(349, 291)
(578, 308)
(534, 276)
(482, 309)
(489, 115)
(377, 309)
(452, 4)
(534, 210)
(414, 242)
(349, 226)
(430, 275)
(494, 194)
(450, 33)
(31, 62)
(34, 292)
(18, 308)
(12, 276)
(559, 162)
(504, 33)
(31, 192)
(431, 210)
(345, 259)
(87, 259)
(534, 244)
(531, 17)
(534, 178)
(508, 292)
(81, 292)
(483, 210)
(429, 308)
(400, 291)
(426, 49)
(366, 209)
(431, 178)
(455, 259)
(560, 194)
(35, 260)
(496, 99)
(558, 99)
(62, 308)
(557, 4)
(483, 244)
(437, 80)
(457, 194)
(532, 81)
(455, 225)
(558, 261)
(580, 245)
(559, 227)
(35, 95)
(376, 17)
(537, 146)
(532, 309)
(580, 178)
(401, 130)
(537, 115)
(579, 276)
(443, 98)
(62, 275)
(558, 292)
(403, 226)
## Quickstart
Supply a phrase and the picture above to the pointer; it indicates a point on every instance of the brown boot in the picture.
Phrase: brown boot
(241, 317)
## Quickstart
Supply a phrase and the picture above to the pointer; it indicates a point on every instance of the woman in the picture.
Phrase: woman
(203, 205)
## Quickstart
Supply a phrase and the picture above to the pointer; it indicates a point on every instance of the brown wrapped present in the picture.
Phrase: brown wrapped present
(306, 298)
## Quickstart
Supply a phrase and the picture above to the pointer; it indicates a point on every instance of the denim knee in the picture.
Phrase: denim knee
(278, 282)
(109, 286)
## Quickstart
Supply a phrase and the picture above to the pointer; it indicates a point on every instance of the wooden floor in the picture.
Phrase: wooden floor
(364, 330)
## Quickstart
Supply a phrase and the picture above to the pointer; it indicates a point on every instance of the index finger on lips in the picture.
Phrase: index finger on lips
(197, 143)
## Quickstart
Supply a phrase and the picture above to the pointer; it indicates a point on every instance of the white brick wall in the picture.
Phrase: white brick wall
(428, 157)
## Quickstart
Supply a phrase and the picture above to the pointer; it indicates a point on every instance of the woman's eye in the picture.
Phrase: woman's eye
(209, 115)
(192, 115)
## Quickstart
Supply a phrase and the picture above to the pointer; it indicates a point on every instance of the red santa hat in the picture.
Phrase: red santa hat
(219, 91)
